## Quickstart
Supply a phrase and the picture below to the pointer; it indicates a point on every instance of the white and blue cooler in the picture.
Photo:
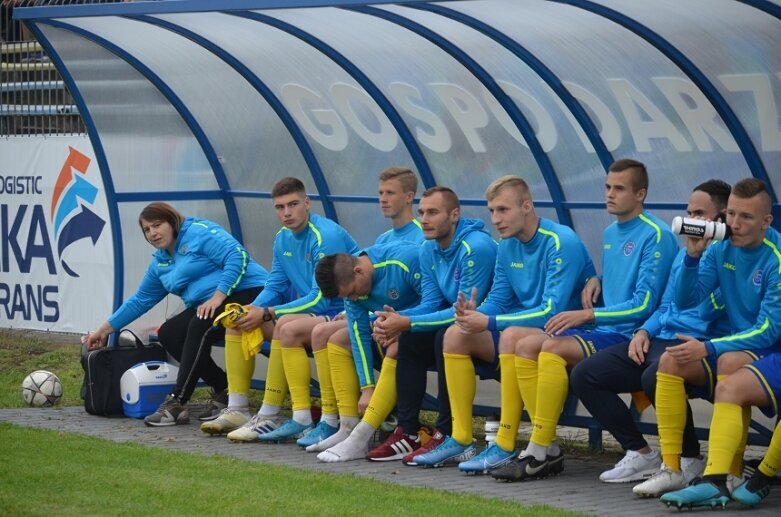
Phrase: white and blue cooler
(145, 386)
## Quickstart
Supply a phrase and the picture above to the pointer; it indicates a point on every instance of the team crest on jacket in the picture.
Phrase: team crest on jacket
(629, 247)
(393, 293)
(183, 250)
(756, 278)
(457, 274)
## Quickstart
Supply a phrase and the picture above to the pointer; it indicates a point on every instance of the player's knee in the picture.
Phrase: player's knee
(729, 390)
(320, 335)
(453, 341)
(507, 343)
(668, 364)
(731, 362)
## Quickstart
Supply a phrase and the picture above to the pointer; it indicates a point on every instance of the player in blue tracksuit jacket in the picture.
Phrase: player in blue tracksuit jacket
(457, 257)
(379, 277)
(539, 266)
(632, 366)
(203, 264)
(747, 269)
(637, 254)
(304, 240)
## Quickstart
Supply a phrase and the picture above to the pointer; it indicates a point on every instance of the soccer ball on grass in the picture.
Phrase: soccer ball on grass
(41, 389)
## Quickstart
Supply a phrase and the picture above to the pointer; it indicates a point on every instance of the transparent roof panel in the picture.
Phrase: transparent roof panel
(438, 98)
(143, 136)
(640, 99)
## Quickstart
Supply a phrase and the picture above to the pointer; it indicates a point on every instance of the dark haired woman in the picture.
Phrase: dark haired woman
(206, 267)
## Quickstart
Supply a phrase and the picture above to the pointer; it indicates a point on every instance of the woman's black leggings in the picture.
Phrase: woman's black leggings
(185, 337)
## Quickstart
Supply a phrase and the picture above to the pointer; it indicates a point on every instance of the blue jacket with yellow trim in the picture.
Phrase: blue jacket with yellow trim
(207, 258)
(637, 256)
(295, 257)
(468, 262)
(536, 279)
(706, 319)
(410, 232)
(395, 282)
(750, 283)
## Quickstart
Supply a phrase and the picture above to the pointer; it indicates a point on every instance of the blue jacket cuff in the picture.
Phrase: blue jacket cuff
(690, 261)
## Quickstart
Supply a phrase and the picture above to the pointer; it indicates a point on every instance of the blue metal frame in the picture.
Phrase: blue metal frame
(287, 119)
(731, 121)
(374, 92)
(765, 6)
(533, 62)
(185, 6)
(184, 112)
(100, 156)
(518, 118)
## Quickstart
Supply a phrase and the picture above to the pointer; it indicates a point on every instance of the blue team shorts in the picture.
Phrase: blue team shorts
(710, 364)
(592, 341)
(768, 372)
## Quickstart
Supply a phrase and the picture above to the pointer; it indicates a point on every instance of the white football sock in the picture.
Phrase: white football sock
(346, 426)
(354, 447)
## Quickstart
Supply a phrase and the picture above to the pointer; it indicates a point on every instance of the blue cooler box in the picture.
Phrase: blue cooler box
(145, 386)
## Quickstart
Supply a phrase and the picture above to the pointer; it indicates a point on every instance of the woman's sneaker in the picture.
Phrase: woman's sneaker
(170, 412)
(217, 403)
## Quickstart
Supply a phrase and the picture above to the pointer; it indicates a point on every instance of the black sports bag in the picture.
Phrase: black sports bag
(104, 367)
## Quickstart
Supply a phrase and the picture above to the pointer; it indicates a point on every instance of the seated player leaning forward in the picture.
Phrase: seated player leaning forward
(378, 277)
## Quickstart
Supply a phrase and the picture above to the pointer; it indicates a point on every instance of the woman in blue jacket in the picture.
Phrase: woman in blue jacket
(207, 268)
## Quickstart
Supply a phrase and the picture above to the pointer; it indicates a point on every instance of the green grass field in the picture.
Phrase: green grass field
(49, 472)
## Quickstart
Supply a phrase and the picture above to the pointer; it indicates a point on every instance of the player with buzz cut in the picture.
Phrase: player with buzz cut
(380, 276)
(747, 269)
(303, 240)
(637, 253)
(630, 367)
(540, 269)
(458, 256)
(396, 194)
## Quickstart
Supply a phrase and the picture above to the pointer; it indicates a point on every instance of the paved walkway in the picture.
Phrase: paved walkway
(577, 489)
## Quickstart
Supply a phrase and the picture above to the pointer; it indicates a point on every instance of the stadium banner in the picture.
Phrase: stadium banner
(56, 258)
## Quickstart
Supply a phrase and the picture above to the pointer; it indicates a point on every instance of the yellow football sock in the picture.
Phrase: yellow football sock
(671, 417)
(552, 388)
(238, 369)
(384, 397)
(771, 463)
(297, 373)
(344, 379)
(276, 383)
(511, 403)
(736, 468)
(327, 395)
(461, 386)
(725, 435)
(526, 371)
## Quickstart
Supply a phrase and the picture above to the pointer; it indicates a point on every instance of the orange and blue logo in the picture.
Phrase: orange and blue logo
(70, 213)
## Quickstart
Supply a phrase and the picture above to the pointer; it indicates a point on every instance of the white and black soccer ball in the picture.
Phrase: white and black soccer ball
(41, 389)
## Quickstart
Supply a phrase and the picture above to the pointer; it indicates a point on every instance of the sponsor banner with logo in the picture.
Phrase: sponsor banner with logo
(56, 258)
